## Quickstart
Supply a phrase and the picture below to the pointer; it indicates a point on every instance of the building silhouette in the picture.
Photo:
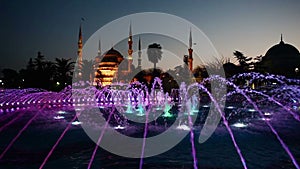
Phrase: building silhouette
(113, 66)
(281, 59)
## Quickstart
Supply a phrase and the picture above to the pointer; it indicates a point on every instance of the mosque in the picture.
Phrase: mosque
(281, 59)
(108, 67)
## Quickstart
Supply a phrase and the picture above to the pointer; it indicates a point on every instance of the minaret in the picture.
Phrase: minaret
(130, 51)
(190, 60)
(79, 52)
(140, 55)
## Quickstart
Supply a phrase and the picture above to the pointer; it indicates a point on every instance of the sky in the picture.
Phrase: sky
(51, 27)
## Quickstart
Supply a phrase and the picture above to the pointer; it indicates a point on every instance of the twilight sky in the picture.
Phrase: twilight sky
(52, 26)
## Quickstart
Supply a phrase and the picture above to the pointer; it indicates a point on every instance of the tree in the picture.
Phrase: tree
(43, 72)
(63, 71)
(154, 53)
(243, 60)
(39, 62)
(10, 78)
(257, 64)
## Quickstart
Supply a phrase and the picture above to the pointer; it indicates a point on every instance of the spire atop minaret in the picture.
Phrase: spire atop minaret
(80, 35)
(190, 39)
(99, 47)
(140, 46)
(130, 30)
(190, 50)
(140, 55)
(130, 51)
(79, 51)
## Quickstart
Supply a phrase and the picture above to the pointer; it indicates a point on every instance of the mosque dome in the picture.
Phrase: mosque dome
(283, 51)
(112, 56)
(108, 66)
(282, 59)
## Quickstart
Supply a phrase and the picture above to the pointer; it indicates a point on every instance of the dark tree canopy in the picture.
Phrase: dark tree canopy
(154, 53)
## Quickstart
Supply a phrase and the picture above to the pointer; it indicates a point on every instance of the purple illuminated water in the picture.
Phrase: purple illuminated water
(57, 142)
(273, 102)
(144, 140)
(99, 140)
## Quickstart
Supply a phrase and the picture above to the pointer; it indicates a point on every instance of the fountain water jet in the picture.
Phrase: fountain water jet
(18, 135)
(57, 142)
(267, 122)
(99, 139)
(11, 121)
(25, 100)
(144, 138)
(225, 122)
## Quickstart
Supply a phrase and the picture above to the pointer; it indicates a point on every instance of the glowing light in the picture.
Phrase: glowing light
(58, 117)
(205, 105)
(251, 110)
(230, 107)
(267, 114)
(61, 112)
(75, 123)
(183, 127)
(265, 119)
(239, 125)
(119, 127)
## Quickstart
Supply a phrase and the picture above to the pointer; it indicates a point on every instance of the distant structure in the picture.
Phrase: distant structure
(190, 50)
(188, 59)
(130, 51)
(140, 55)
(108, 66)
(79, 54)
(281, 59)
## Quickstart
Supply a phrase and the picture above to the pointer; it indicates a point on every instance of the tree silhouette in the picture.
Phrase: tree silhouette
(243, 60)
(42, 72)
(63, 71)
(154, 53)
(10, 78)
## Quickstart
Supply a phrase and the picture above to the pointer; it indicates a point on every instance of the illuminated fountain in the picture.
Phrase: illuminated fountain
(258, 98)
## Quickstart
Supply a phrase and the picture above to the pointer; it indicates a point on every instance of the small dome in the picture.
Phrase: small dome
(281, 59)
(112, 56)
(282, 51)
(112, 51)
